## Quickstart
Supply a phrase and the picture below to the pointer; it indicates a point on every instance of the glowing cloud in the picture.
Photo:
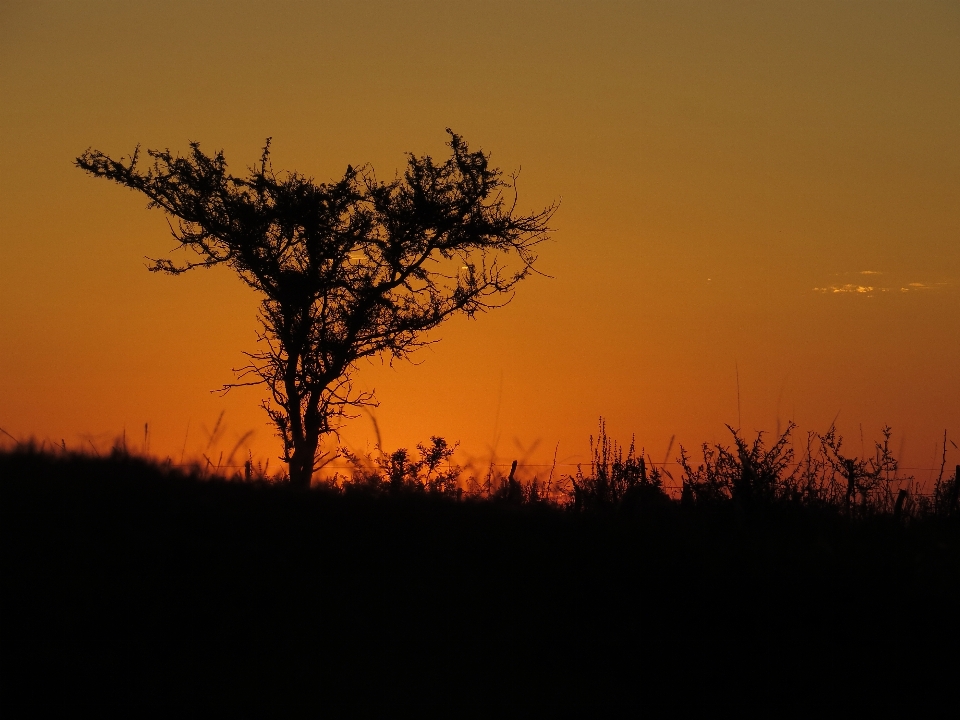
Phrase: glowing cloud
(849, 288)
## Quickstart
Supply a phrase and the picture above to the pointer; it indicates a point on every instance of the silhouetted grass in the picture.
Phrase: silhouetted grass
(121, 550)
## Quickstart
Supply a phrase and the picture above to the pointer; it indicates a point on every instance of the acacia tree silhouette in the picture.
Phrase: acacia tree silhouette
(347, 270)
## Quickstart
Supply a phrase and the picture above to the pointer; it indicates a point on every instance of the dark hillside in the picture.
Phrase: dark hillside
(114, 551)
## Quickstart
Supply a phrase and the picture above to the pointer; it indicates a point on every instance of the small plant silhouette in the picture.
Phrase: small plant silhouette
(399, 471)
(615, 480)
(871, 480)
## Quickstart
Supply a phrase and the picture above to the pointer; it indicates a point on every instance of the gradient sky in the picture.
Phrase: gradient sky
(769, 190)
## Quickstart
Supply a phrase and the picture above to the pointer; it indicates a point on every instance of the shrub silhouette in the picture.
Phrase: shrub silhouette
(399, 471)
(946, 495)
(751, 475)
(748, 474)
(871, 479)
(615, 481)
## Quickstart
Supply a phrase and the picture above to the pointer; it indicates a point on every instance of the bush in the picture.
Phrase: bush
(616, 481)
(399, 471)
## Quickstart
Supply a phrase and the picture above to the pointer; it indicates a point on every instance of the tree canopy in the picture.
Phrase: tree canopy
(349, 269)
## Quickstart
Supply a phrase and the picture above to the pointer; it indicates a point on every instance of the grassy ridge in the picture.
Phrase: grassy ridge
(124, 549)
(129, 584)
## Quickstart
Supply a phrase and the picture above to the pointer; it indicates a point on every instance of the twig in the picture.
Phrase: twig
(943, 459)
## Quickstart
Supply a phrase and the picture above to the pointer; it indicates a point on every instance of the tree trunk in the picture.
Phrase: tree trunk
(301, 464)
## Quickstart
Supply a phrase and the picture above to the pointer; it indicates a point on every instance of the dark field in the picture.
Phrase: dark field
(117, 568)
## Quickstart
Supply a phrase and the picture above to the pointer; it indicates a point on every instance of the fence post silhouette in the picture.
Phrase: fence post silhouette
(898, 506)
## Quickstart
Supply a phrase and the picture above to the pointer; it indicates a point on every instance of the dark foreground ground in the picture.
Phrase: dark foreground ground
(119, 578)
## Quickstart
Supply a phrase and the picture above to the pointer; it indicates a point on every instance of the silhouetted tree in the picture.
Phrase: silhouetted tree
(347, 270)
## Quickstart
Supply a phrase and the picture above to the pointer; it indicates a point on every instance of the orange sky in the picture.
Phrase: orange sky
(764, 188)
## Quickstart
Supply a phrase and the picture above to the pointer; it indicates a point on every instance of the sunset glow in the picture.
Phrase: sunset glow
(758, 223)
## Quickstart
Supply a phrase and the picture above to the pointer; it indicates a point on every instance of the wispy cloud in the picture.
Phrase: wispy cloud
(870, 290)
(919, 286)
(849, 288)
(870, 272)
